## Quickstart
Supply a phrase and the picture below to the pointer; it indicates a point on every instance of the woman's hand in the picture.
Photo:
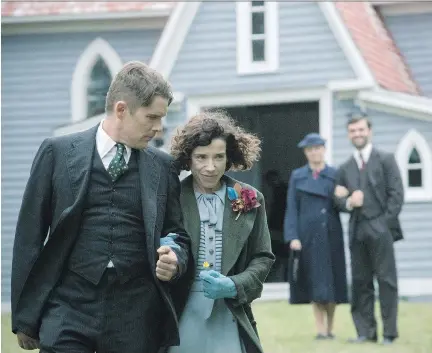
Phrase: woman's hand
(295, 244)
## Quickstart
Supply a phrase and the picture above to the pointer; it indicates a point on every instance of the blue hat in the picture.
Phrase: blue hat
(312, 139)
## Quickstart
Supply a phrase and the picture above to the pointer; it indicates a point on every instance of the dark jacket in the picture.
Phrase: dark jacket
(52, 205)
(246, 257)
(384, 176)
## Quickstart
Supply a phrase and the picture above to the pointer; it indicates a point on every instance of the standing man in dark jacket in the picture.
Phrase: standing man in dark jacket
(101, 282)
(370, 186)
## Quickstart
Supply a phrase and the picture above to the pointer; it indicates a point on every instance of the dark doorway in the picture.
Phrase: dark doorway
(280, 127)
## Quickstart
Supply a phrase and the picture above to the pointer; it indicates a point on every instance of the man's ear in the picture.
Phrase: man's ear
(121, 110)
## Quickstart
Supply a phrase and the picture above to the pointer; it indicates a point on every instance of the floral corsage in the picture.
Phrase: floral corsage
(242, 199)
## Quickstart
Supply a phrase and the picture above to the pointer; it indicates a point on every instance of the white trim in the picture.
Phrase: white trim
(78, 126)
(326, 123)
(343, 37)
(175, 106)
(267, 97)
(173, 37)
(414, 139)
(81, 75)
(321, 95)
(245, 63)
(406, 8)
(127, 15)
(398, 103)
(408, 287)
(87, 26)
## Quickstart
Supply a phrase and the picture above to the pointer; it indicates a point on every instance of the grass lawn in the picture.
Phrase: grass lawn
(287, 328)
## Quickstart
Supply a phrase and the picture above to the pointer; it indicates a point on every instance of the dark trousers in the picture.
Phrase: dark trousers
(372, 255)
(112, 317)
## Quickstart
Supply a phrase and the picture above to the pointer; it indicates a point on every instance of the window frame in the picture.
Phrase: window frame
(245, 63)
(81, 76)
(413, 139)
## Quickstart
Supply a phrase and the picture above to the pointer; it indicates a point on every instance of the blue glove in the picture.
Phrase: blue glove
(169, 241)
(217, 286)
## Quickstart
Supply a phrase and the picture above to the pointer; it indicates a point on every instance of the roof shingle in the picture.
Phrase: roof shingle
(377, 47)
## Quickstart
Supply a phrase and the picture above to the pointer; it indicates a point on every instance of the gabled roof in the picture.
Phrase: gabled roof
(62, 7)
(377, 47)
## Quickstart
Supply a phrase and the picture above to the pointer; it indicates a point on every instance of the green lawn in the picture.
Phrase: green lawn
(287, 328)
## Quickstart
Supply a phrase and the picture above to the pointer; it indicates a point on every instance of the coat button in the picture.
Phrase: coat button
(323, 211)
(211, 251)
(211, 237)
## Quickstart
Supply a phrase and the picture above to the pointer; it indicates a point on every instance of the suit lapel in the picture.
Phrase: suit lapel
(79, 161)
(372, 165)
(149, 173)
(234, 232)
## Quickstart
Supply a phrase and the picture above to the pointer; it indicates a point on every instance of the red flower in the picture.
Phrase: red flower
(245, 201)
(249, 198)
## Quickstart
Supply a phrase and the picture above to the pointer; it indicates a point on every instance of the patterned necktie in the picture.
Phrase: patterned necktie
(118, 164)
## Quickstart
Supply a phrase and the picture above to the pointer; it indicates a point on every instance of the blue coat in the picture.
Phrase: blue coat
(313, 218)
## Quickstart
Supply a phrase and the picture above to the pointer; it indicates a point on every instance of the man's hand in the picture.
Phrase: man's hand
(26, 342)
(341, 191)
(167, 265)
(295, 244)
(356, 199)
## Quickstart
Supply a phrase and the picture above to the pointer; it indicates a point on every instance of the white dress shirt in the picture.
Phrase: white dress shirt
(365, 152)
(106, 148)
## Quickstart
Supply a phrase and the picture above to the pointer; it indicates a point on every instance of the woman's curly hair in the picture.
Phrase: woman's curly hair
(242, 148)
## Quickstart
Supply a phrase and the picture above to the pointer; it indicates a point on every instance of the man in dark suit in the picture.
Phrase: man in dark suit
(100, 281)
(370, 187)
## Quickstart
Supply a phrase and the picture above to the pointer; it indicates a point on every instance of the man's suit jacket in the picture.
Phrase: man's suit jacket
(52, 205)
(246, 256)
(384, 176)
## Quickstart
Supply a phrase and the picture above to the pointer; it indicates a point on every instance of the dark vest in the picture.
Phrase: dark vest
(112, 226)
(371, 207)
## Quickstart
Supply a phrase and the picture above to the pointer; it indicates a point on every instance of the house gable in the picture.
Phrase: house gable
(207, 60)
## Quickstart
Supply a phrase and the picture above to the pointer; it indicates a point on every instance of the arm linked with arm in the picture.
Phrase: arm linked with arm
(342, 204)
(173, 221)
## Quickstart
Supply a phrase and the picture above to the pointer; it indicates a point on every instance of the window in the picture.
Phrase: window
(257, 37)
(414, 170)
(414, 158)
(93, 73)
(97, 89)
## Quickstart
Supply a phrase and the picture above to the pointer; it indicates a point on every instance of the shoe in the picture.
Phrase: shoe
(362, 339)
(320, 337)
(330, 336)
(388, 341)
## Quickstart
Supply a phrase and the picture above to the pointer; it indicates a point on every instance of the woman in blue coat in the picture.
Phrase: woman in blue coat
(313, 230)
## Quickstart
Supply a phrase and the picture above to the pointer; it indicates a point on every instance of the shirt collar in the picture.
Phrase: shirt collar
(219, 193)
(365, 152)
(105, 143)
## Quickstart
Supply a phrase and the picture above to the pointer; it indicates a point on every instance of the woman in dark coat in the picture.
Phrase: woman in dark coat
(313, 229)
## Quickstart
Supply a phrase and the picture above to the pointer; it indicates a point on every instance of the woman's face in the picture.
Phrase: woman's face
(208, 164)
